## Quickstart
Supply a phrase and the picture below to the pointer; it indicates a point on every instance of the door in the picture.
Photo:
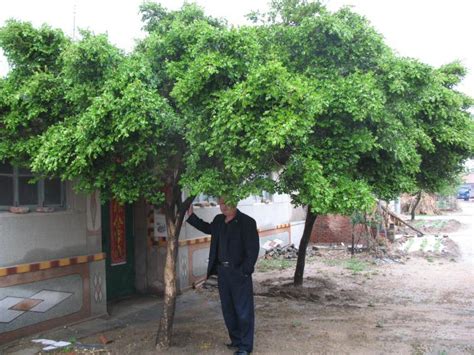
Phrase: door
(117, 243)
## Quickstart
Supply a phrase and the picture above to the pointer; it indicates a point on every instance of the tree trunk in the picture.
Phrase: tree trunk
(308, 227)
(174, 221)
(163, 339)
(417, 202)
(353, 240)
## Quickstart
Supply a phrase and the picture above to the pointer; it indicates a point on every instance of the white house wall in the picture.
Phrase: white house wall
(35, 236)
(52, 269)
(277, 219)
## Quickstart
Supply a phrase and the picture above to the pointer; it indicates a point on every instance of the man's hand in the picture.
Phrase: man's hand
(190, 210)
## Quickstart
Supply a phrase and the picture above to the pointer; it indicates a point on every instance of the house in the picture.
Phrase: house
(52, 264)
(63, 255)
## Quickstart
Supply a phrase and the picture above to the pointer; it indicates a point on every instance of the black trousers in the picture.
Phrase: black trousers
(236, 293)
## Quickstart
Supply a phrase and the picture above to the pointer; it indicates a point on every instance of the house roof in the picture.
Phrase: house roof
(468, 179)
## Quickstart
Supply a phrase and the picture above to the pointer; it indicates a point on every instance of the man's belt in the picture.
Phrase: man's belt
(224, 263)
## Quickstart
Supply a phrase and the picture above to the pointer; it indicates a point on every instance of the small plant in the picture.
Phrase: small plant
(332, 262)
(274, 264)
(356, 265)
(424, 244)
(296, 324)
(429, 259)
(437, 246)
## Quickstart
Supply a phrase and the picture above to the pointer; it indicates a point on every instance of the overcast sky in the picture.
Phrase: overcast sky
(434, 31)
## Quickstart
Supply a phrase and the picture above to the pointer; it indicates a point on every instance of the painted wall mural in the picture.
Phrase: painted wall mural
(118, 246)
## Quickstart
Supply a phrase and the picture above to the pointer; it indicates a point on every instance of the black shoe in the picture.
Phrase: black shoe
(241, 352)
(232, 346)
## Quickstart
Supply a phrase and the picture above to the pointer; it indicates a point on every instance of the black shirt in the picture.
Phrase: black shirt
(240, 241)
(223, 242)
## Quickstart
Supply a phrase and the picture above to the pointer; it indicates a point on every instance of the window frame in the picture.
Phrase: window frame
(15, 175)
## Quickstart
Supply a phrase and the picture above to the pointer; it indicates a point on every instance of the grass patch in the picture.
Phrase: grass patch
(275, 264)
(296, 324)
(424, 244)
(425, 223)
(418, 223)
(356, 265)
(409, 244)
(332, 262)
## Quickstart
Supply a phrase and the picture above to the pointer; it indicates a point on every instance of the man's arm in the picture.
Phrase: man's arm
(251, 245)
(199, 224)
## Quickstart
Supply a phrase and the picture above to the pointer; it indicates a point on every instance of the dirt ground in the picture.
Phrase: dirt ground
(413, 308)
(420, 304)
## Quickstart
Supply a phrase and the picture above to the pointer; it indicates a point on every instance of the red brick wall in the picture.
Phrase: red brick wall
(333, 229)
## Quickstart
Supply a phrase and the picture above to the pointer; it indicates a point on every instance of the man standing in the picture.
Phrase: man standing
(232, 256)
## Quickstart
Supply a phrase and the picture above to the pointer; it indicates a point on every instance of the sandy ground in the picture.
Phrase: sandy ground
(419, 305)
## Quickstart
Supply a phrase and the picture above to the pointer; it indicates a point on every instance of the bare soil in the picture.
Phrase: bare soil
(413, 307)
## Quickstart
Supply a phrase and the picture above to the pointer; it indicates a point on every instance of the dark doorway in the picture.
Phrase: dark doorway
(118, 244)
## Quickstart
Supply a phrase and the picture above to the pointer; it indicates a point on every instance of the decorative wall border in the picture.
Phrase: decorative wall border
(50, 264)
(278, 226)
(161, 241)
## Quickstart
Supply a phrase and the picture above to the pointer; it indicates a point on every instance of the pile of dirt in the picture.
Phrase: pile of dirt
(315, 289)
(427, 205)
(439, 226)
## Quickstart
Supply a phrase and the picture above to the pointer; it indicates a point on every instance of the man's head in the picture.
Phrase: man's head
(227, 210)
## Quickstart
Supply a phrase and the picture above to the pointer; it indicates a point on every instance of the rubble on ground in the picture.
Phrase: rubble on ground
(289, 252)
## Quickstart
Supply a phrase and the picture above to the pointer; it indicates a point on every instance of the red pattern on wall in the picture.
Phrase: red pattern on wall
(118, 247)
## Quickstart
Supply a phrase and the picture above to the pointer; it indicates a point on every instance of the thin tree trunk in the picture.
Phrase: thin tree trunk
(174, 221)
(417, 202)
(163, 339)
(308, 227)
(380, 211)
(353, 240)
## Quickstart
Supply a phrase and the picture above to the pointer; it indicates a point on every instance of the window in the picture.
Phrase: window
(16, 189)
(205, 200)
(264, 197)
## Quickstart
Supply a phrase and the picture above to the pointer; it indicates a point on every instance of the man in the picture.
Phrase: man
(232, 256)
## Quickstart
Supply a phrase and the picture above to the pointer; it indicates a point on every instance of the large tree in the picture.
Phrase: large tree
(335, 113)
(306, 112)
(447, 122)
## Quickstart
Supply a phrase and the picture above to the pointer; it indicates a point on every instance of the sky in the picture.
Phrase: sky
(433, 31)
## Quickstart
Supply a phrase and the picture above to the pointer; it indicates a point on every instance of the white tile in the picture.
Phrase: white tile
(50, 299)
(7, 315)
